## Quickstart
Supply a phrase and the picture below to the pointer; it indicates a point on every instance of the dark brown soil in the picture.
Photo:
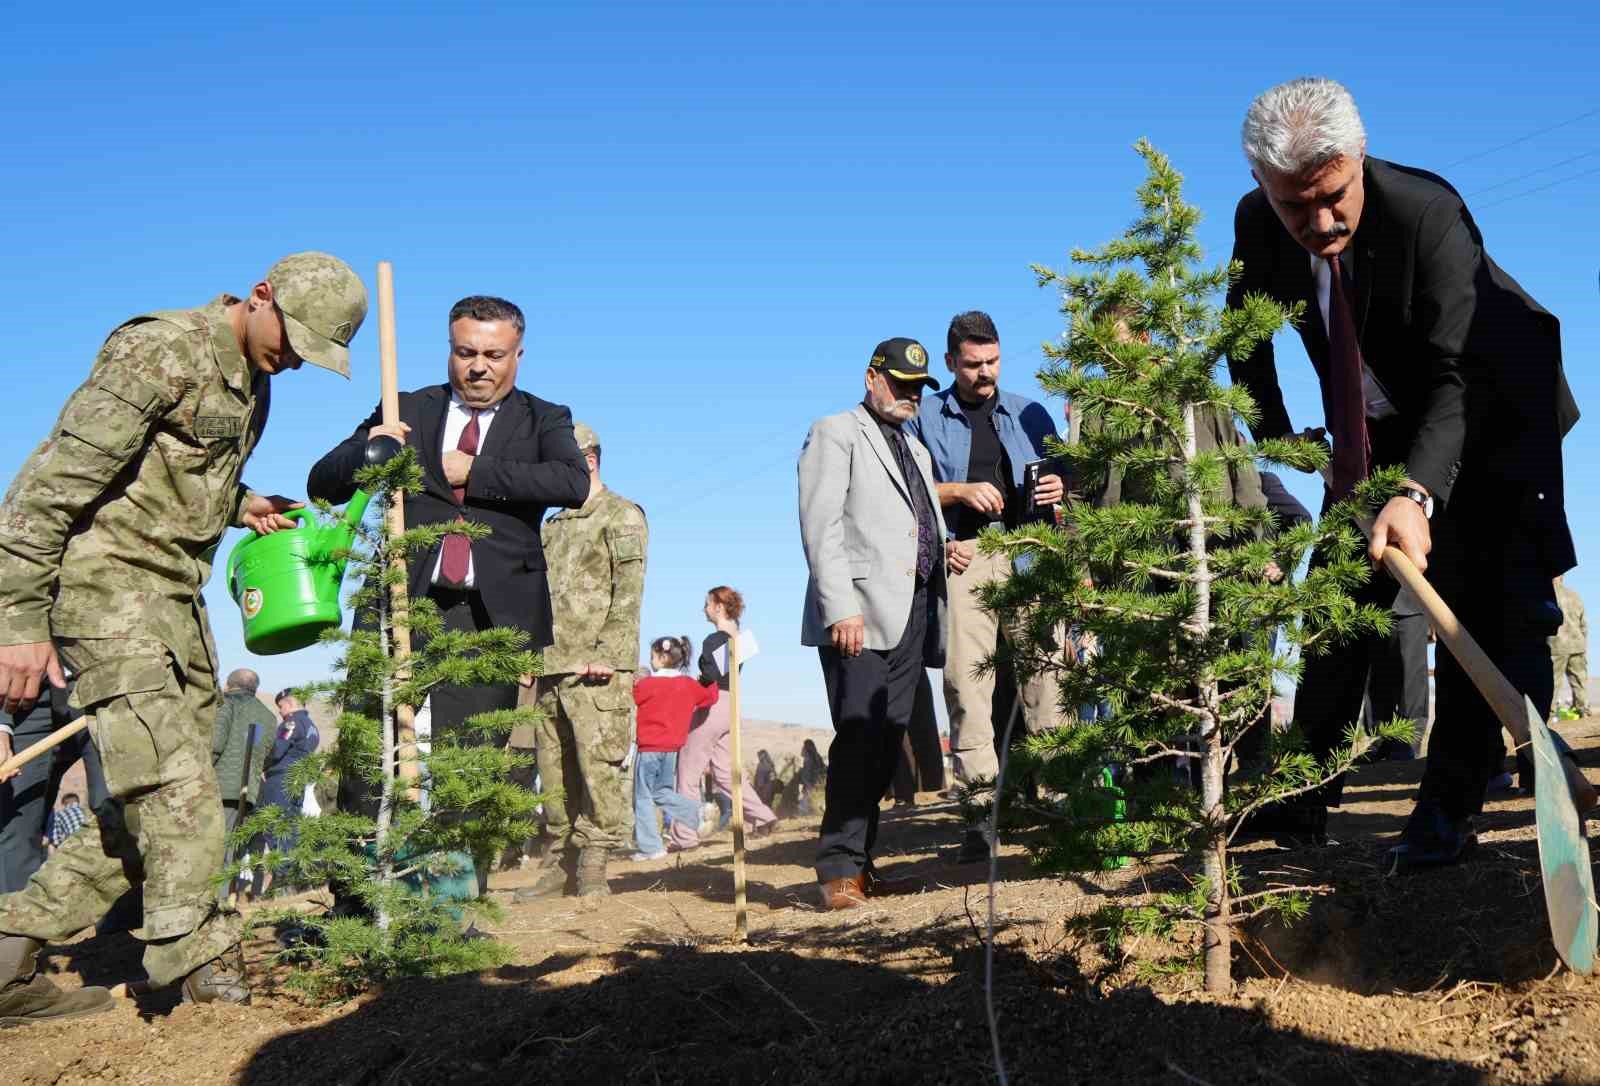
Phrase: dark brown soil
(1443, 977)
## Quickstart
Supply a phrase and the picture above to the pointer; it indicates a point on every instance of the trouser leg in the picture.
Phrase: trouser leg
(693, 760)
(756, 813)
(968, 694)
(592, 734)
(1578, 680)
(25, 802)
(871, 698)
(648, 772)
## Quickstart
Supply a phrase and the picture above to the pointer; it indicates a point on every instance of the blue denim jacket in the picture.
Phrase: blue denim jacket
(1023, 425)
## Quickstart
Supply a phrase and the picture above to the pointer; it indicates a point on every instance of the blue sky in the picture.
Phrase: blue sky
(712, 212)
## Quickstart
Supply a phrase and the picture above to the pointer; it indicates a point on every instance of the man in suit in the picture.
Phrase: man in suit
(1431, 357)
(874, 541)
(490, 454)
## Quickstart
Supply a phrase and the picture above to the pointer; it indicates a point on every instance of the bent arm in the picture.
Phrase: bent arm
(333, 478)
(557, 476)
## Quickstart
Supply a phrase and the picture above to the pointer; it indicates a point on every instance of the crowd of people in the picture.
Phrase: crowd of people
(108, 531)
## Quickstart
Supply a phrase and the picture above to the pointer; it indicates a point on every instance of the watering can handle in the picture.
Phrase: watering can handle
(233, 559)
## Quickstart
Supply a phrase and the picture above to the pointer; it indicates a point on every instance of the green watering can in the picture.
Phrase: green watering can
(287, 584)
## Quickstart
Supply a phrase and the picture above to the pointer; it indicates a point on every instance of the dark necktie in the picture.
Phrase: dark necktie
(1347, 404)
(919, 502)
(456, 561)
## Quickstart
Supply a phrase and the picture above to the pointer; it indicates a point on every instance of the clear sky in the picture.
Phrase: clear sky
(712, 212)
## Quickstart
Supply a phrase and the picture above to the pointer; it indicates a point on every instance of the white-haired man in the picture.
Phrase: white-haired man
(1430, 357)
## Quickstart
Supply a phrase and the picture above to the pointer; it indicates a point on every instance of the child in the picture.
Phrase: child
(666, 698)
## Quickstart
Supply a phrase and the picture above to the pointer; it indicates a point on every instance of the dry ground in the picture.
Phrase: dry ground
(1443, 977)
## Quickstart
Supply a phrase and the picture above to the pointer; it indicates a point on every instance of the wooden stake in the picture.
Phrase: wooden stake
(741, 913)
(395, 515)
(57, 737)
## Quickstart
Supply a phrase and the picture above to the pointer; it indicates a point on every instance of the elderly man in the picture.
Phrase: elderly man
(981, 438)
(874, 609)
(106, 538)
(239, 744)
(1425, 350)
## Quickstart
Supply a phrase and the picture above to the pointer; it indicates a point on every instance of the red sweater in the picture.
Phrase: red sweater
(666, 702)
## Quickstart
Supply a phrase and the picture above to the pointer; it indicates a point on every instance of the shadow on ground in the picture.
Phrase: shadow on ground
(673, 1014)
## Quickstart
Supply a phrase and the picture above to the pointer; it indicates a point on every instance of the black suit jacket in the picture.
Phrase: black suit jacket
(528, 463)
(1471, 363)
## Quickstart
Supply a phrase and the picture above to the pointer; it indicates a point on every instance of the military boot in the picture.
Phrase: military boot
(27, 997)
(557, 869)
(592, 871)
(218, 981)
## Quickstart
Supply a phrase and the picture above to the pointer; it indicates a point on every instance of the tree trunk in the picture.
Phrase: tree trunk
(1218, 935)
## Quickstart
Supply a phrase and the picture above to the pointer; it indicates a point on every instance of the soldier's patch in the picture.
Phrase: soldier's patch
(214, 427)
(627, 546)
(251, 603)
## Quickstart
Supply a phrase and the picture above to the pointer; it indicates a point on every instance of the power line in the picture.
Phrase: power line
(1521, 139)
(1539, 188)
(1534, 173)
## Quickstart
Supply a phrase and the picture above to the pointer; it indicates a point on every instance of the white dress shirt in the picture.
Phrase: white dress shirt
(456, 418)
(1372, 391)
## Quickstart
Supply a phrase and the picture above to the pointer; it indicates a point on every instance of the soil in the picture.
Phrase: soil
(1440, 977)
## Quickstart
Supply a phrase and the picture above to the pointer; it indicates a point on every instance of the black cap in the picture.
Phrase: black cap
(903, 359)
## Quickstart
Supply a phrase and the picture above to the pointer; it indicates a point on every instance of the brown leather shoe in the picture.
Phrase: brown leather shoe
(877, 886)
(846, 893)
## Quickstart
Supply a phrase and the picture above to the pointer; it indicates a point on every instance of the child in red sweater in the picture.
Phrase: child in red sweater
(667, 699)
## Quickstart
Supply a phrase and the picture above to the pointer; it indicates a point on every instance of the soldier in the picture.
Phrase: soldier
(106, 537)
(596, 555)
(1569, 648)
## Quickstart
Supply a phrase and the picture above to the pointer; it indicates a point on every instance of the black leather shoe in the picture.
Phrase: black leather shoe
(1431, 838)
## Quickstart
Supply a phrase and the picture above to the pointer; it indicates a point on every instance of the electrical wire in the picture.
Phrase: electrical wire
(1534, 173)
(1538, 188)
(1521, 139)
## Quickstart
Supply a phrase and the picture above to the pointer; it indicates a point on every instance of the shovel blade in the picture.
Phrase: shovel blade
(1563, 853)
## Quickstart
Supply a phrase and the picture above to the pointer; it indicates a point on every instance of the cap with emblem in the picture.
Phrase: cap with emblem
(323, 304)
(587, 438)
(903, 359)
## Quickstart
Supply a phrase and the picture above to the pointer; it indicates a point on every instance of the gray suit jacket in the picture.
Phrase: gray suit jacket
(859, 532)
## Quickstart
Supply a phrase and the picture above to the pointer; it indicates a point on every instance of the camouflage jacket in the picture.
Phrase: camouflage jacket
(1574, 633)
(596, 555)
(110, 528)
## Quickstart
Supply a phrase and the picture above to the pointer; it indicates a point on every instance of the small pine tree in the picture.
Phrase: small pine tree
(1174, 585)
(460, 804)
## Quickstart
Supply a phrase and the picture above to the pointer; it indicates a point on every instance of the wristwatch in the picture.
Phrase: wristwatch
(1423, 499)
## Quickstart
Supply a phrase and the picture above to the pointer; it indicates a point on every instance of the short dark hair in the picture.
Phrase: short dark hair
(973, 326)
(286, 692)
(486, 307)
(69, 798)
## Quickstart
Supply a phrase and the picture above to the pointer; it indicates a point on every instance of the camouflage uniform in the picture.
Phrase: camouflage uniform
(1569, 648)
(106, 536)
(596, 556)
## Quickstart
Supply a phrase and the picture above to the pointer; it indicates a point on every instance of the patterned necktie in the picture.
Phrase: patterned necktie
(1347, 405)
(919, 502)
(456, 561)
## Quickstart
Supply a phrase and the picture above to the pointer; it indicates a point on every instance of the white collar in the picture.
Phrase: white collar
(458, 404)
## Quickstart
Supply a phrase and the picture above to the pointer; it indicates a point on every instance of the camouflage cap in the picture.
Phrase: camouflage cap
(587, 438)
(323, 304)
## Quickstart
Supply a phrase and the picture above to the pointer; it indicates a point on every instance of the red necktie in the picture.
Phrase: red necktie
(457, 558)
(1347, 402)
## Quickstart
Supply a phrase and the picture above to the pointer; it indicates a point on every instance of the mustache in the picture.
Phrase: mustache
(1338, 230)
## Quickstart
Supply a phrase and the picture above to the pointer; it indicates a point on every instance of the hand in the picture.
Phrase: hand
(598, 673)
(526, 680)
(983, 497)
(958, 554)
(1274, 573)
(263, 513)
(22, 671)
(457, 466)
(5, 756)
(1402, 524)
(1049, 491)
(1315, 433)
(849, 635)
(396, 430)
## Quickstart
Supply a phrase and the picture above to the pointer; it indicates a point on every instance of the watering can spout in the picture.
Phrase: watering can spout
(356, 509)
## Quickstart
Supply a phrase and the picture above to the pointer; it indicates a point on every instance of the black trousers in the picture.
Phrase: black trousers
(872, 698)
(27, 799)
(1399, 683)
(1487, 565)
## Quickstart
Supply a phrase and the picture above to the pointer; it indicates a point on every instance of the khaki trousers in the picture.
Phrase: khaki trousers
(582, 741)
(969, 696)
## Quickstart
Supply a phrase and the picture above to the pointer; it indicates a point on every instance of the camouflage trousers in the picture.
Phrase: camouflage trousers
(1574, 668)
(151, 721)
(582, 740)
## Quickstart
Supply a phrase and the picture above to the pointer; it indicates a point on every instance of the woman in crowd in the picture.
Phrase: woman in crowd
(708, 742)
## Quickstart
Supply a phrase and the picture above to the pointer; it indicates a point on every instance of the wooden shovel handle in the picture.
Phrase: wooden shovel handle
(399, 607)
(59, 736)
(1496, 689)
